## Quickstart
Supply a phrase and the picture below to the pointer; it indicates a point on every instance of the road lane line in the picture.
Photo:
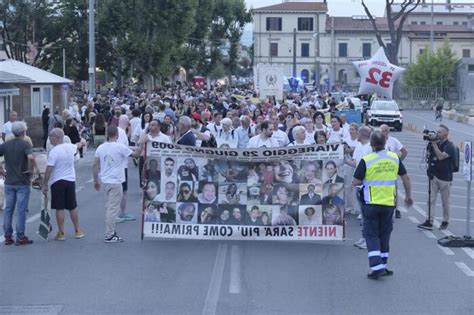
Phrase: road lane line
(469, 252)
(33, 218)
(235, 269)
(90, 180)
(429, 234)
(402, 209)
(447, 232)
(413, 220)
(445, 250)
(79, 188)
(465, 268)
(212, 297)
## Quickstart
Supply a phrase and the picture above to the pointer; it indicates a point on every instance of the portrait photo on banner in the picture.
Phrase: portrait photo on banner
(233, 193)
(160, 212)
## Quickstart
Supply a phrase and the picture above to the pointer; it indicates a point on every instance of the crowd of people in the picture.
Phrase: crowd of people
(122, 122)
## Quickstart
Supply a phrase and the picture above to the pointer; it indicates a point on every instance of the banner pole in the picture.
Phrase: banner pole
(468, 211)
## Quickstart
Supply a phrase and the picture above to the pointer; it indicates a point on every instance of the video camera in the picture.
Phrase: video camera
(429, 135)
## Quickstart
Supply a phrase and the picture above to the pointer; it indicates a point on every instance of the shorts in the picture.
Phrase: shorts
(125, 183)
(63, 195)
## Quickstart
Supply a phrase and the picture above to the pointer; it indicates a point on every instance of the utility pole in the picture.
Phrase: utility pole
(431, 29)
(294, 52)
(91, 48)
(64, 63)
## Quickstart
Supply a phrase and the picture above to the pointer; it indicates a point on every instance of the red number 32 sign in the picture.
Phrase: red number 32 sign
(377, 77)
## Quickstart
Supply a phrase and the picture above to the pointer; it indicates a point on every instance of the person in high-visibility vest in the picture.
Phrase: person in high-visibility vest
(377, 172)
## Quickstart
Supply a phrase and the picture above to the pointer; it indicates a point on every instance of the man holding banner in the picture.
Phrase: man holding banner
(377, 172)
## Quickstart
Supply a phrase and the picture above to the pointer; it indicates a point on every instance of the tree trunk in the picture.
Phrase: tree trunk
(148, 82)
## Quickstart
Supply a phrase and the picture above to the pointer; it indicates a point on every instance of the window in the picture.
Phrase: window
(464, 23)
(422, 23)
(422, 51)
(273, 49)
(455, 23)
(41, 96)
(366, 50)
(470, 68)
(342, 49)
(414, 22)
(273, 24)
(304, 50)
(439, 23)
(305, 24)
(466, 53)
(305, 75)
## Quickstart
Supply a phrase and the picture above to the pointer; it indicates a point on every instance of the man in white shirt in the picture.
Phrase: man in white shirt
(215, 125)
(109, 162)
(124, 123)
(394, 145)
(227, 135)
(7, 127)
(264, 139)
(61, 176)
(244, 132)
(279, 135)
(361, 150)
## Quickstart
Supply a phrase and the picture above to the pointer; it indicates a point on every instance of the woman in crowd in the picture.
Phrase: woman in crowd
(319, 123)
(99, 129)
(71, 131)
(320, 137)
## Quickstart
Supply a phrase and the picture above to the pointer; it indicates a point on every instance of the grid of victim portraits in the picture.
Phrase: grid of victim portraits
(218, 191)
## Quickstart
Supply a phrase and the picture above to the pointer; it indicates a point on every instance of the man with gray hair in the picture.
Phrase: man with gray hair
(186, 136)
(244, 132)
(227, 135)
(20, 163)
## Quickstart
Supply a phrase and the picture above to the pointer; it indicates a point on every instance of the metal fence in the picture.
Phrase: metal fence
(411, 93)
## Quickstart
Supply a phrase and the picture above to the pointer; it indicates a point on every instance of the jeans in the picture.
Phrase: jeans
(16, 195)
(377, 228)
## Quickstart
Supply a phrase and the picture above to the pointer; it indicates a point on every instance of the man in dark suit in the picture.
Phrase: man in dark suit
(310, 198)
(331, 173)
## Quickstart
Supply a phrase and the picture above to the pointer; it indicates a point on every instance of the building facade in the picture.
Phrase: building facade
(326, 46)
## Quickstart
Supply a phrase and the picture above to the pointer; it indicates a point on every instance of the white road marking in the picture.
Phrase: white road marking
(33, 218)
(452, 195)
(235, 269)
(452, 206)
(402, 209)
(429, 234)
(78, 189)
(212, 297)
(90, 180)
(465, 268)
(469, 252)
(413, 220)
(2, 239)
(447, 232)
(445, 250)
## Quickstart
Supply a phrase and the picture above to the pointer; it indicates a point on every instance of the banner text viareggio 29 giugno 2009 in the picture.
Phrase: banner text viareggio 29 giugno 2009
(290, 193)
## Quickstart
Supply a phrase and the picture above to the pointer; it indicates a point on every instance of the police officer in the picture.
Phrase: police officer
(377, 172)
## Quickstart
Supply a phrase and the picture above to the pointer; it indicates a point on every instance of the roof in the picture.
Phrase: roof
(296, 6)
(7, 89)
(35, 75)
(7, 77)
(364, 24)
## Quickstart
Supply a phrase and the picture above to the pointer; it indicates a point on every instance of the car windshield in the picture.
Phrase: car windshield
(385, 106)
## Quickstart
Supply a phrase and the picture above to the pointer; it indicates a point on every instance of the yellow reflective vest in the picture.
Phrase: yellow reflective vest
(380, 178)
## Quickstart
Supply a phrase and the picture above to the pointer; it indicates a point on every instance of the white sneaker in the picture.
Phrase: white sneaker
(360, 241)
(363, 245)
(359, 217)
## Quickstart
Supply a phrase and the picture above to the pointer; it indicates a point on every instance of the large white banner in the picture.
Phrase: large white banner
(290, 193)
(270, 80)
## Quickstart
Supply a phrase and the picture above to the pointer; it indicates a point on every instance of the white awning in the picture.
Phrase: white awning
(7, 90)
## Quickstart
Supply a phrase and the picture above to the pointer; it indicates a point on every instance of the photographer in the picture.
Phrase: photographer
(440, 154)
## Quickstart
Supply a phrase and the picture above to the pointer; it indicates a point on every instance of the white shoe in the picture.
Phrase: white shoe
(363, 245)
(360, 241)
(359, 217)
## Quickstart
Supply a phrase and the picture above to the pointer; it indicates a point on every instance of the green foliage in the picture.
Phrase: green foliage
(433, 69)
(151, 38)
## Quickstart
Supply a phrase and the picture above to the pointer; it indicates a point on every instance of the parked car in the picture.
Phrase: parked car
(385, 112)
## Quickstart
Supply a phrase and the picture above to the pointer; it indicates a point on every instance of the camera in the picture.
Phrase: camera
(429, 135)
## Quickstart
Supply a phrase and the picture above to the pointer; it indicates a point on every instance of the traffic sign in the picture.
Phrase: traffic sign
(467, 167)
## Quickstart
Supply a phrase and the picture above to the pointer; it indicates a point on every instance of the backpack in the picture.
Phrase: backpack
(455, 159)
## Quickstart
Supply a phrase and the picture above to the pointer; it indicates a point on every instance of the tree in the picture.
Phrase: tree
(433, 69)
(395, 22)
(27, 27)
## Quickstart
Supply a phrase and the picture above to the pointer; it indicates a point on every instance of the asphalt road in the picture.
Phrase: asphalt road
(87, 276)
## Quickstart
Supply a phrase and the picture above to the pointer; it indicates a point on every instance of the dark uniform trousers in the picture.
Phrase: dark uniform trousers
(376, 229)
